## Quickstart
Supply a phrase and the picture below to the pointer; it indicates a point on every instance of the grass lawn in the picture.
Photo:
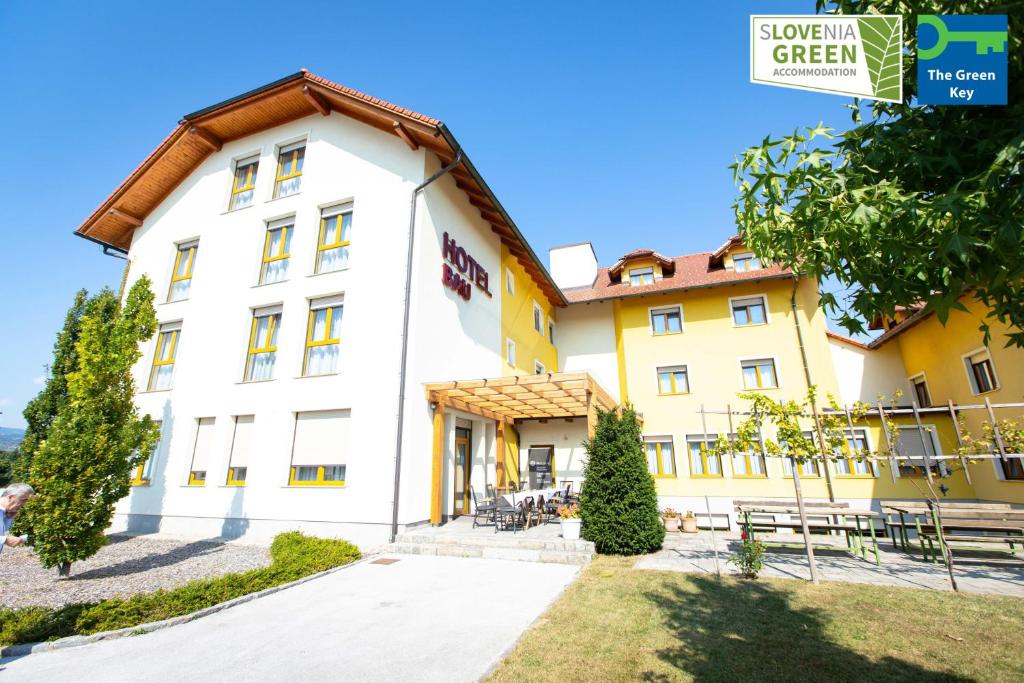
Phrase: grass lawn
(620, 624)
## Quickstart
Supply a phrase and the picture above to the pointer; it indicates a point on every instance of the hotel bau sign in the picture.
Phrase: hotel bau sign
(462, 271)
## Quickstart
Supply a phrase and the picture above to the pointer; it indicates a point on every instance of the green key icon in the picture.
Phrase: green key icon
(984, 41)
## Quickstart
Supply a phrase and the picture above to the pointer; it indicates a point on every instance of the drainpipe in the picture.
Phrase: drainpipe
(807, 377)
(405, 336)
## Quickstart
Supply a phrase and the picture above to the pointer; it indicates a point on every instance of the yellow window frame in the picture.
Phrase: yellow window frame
(138, 479)
(661, 474)
(851, 461)
(757, 372)
(672, 380)
(803, 475)
(707, 474)
(321, 247)
(157, 363)
(256, 350)
(267, 256)
(747, 457)
(319, 481)
(250, 178)
(327, 340)
(193, 480)
(750, 319)
(191, 250)
(232, 476)
(281, 175)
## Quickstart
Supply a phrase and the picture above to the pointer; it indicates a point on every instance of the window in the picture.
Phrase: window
(747, 464)
(144, 470)
(201, 450)
(1013, 469)
(510, 352)
(741, 263)
(335, 232)
(244, 184)
(921, 393)
(551, 331)
(323, 337)
(808, 468)
(847, 463)
(538, 318)
(538, 368)
(510, 282)
(163, 359)
(673, 380)
(641, 276)
(667, 320)
(980, 373)
(277, 251)
(241, 440)
(259, 363)
(704, 462)
(181, 276)
(749, 311)
(759, 374)
(915, 445)
(289, 169)
(319, 448)
(661, 460)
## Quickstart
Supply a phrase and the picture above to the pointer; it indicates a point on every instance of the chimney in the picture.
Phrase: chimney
(573, 265)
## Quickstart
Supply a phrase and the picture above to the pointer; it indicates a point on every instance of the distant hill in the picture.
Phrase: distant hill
(10, 438)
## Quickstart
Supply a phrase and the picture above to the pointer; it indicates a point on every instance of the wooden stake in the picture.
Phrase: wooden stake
(924, 442)
(893, 464)
(959, 440)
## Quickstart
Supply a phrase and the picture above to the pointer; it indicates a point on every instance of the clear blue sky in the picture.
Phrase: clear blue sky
(608, 122)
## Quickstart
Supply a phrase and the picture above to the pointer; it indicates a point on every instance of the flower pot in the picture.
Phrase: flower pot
(571, 529)
(671, 523)
(689, 525)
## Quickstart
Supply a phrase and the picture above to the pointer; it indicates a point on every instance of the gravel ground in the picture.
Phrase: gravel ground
(125, 566)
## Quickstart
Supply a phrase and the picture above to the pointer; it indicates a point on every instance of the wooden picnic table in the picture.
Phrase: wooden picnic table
(854, 531)
(991, 522)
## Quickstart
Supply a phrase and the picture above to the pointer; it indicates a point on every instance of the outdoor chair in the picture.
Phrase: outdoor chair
(508, 515)
(482, 509)
(551, 507)
(490, 491)
(534, 510)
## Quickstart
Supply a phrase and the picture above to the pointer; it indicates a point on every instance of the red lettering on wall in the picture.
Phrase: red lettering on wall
(465, 263)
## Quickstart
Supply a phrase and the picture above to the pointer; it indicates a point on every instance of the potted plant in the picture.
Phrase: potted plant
(689, 523)
(671, 519)
(571, 521)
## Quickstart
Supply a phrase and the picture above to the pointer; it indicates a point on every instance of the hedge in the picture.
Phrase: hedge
(293, 556)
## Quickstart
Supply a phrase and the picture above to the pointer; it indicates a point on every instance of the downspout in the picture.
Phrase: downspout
(807, 378)
(405, 337)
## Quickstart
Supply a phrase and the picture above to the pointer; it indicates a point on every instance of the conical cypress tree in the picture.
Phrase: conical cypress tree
(618, 501)
(84, 465)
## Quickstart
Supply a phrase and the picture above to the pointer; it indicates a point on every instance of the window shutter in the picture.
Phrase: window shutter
(204, 444)
(321, 437)
(242, 441)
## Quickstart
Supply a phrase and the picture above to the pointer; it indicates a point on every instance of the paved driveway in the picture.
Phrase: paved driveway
(420, 619)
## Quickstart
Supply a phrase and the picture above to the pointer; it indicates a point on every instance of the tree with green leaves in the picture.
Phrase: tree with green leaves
(914, 205)
(84, 464)
(40, 411)
(618, 502)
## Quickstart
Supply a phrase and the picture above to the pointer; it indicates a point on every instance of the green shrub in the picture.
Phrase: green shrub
(293, 556)
(618, 502)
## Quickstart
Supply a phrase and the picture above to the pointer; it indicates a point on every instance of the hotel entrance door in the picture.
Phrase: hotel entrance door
(461, 487)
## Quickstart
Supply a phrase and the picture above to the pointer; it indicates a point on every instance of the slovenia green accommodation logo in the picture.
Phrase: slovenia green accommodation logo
(858, 56)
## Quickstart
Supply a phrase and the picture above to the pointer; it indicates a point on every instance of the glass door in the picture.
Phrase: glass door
(461, 488)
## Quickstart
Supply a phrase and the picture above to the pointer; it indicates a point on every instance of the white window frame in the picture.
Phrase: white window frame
(510, 282)
(510, 351)
(538, 367)
(658, 369)
(551, 331)
(775, 362)
(764, 302)
(971, 383)
(538, 319)
(651, 310)
(744, 255)
(912, 380)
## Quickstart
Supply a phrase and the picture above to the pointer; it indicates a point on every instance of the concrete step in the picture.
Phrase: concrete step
(493, 552)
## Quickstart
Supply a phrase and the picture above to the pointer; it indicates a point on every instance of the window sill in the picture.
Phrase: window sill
(751, 476)
(707, 476)
(665, 334)
(329, 272)
(761, 388)
(664, 476)
(678, 393)
(193, 486)
(154, 391)
(802, 476)
(136, 484)
(176, 301)
(267, 284)
(230, 486)
(740, 327)
(300, 487)
(326, 374)
(258, 381)
(237, 209)
(859, 476)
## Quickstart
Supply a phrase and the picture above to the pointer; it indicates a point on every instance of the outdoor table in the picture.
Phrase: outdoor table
(961, 517)
(520, 496)
(854, 534)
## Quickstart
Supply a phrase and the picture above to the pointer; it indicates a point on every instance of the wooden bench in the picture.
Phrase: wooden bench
(832, 517)
(996, 523)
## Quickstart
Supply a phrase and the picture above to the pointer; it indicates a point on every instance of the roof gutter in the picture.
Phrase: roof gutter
(459, 158)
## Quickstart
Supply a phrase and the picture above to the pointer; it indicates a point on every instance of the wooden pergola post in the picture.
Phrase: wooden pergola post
(437, 474)
(499, 462)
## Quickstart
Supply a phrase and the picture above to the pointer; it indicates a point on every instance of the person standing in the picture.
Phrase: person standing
(12, 499)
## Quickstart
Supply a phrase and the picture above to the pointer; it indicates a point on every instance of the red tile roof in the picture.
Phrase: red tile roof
(693, 271)
(638, 254)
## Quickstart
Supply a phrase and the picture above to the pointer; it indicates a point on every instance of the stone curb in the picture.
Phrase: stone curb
(23, 649)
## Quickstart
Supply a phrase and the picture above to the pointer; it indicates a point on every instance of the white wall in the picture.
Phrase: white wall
(574, 265)
(864, 374)
(586, 343)
(566, 435)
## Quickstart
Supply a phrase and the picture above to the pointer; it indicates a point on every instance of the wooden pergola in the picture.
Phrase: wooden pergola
(506, 400)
